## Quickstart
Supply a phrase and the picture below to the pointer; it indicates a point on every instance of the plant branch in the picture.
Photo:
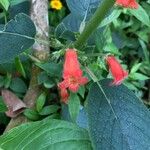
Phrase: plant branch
(39, 15)
(94, 22)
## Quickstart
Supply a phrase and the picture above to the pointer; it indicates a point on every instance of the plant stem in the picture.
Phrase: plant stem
(94, 22)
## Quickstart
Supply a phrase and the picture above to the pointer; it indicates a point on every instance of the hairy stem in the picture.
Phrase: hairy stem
(94, 22)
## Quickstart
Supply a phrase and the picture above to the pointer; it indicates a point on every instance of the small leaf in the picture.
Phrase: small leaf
(40, 102)
(19, 67)
(18, 85)
(31, 114)
(49, 84)
(81, 120)
(47, 110)
(43, 77)
(7, 80)
(74, 106)
(136, 67)
(114, 15)
(82, 91)
(139, 76)
(145, 50)
(51, 68)
(141, 15)
(5, 4)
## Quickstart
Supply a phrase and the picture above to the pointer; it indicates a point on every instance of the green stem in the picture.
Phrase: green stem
(94, 22)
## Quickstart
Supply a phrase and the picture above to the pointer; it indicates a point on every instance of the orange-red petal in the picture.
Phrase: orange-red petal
(72, 74)
(74, 87)
(83, 80)
(63, 84)
(118, 73)
(127, 3)
(64, 95)
(71, 65)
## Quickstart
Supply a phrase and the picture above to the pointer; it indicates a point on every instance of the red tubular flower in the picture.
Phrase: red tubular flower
(127, 3)
(72, 74)
(116, 70)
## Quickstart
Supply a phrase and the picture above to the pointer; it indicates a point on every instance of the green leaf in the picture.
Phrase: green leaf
(74, 106)
(7, 80)
(139, 76)
(2, 81)
(141, 15)
(20, 67)
(42, 77)
(82, 9)
(5, 4)
(19, 6)
(16, 2)
(145, 50)
(136, 67)
(121, 125)
(81, 91)
(51, 68)
(46, 135)
(19, 36)
(47, 110)
(40, 102)
(18, 85)
(31, 114)
(3, 107)
(49, 84)
(114, 15)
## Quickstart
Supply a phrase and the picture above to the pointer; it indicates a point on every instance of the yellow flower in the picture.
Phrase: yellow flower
(56, 4)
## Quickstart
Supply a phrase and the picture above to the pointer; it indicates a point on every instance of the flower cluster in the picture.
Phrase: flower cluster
(56, 4)
(127, 3)
(72, 75)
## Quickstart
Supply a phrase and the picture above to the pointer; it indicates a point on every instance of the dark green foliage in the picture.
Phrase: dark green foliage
(121, 125)
(18, 34)
(18, 6)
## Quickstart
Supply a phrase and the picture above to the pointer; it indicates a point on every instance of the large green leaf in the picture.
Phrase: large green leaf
(16, 36)
(121, 125)
(16, 2)
(19, 6)
(82, 8)
(46, 135)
